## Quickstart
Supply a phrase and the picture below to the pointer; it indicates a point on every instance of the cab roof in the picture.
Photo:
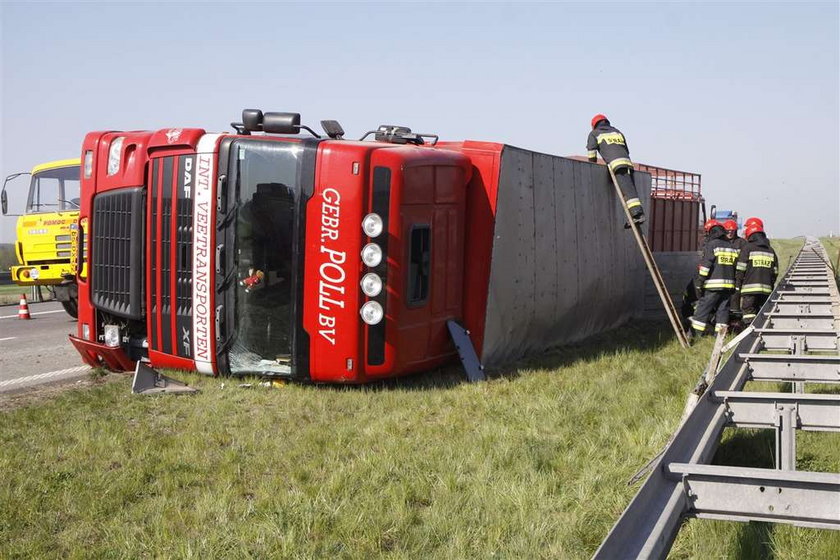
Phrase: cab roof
(56, 164)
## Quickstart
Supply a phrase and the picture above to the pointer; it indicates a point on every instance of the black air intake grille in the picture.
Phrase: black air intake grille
(118, 231)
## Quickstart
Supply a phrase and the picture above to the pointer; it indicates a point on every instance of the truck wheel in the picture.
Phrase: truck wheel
(71, 307)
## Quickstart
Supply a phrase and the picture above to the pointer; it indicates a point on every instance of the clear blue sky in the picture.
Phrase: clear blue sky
(745, 94)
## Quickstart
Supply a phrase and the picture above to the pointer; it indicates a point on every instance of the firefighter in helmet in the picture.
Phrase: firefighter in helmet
(757, 221)
(756, 271)
(731, 227)
(612, 145)
(715, 282)
(690, 295)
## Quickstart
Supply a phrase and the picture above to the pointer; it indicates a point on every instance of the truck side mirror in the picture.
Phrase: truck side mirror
(4, 200)
(252, 119)
(333, 129)
(281, 123)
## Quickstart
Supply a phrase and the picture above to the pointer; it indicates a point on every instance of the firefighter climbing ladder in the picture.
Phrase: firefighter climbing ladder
(802, 319)
(661, 288)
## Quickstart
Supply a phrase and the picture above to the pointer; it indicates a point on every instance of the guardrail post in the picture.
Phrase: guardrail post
(786, 424)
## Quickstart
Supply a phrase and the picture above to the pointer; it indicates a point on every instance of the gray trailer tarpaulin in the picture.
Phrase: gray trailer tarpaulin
(563, 266)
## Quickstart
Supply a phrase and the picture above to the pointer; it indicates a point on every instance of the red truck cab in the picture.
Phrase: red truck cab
(315, 259)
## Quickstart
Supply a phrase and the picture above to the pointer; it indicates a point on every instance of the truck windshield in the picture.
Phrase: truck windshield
(265, 180)
(54, 190)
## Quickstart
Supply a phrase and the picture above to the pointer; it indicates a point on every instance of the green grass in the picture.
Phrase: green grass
(786, 250)
(12, 289)
(10, 293)
(531, 464)
(832, 247)
(7, 256)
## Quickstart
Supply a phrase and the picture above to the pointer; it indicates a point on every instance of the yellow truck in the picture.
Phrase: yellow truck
(47, 231)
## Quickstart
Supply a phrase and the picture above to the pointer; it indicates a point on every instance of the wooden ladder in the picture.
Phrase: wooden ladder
(655, 275)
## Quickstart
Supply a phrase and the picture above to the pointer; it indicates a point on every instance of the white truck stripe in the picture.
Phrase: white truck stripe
(203, 202)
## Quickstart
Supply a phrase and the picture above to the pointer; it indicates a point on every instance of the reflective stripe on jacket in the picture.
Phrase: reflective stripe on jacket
(611, 143)
(716, 270)
(758, 266)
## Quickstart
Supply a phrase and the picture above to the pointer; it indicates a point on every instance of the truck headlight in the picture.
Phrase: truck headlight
(372, 225)
(88, 164)
(372, 254)
(371, 284)
(112, 336)
(115, 155)
(371, 313)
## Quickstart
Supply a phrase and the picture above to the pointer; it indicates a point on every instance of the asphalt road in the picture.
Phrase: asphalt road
(37, 351)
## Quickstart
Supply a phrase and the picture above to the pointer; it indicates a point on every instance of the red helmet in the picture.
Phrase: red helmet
(707, 227)
(598, 118)
(753, 228)
(754, 221)
(730, 225)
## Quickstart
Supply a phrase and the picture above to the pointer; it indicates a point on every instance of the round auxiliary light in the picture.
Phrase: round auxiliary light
(372, 254)
(112, 335)
(371, 284)
(371, 313)
(372, 225)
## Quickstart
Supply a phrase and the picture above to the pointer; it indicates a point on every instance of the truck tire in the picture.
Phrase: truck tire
(71, 306)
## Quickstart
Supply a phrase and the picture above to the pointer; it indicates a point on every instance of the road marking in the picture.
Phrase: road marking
(36, 313)
(43, 375)
(8, 338)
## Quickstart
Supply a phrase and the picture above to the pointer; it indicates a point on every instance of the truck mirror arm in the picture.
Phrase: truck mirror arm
(312, 132)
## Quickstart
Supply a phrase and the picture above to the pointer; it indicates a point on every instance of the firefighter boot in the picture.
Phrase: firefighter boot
(638, 216)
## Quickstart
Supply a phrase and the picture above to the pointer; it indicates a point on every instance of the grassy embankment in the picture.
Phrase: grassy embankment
(832, 247)
(10, 293)
(531, 464)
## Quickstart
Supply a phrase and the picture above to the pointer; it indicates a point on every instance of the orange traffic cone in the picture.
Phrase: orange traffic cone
(23, 309)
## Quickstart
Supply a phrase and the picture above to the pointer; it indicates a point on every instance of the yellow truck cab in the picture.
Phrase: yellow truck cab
(47, 231)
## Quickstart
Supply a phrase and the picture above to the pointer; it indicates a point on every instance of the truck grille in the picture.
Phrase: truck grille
(171, 248)
(117, 244)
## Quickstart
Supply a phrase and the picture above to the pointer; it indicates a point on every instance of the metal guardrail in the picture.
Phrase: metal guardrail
(802, 319)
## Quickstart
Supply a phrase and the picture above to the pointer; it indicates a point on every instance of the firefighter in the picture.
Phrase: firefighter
(731, 227)
(611, 143)
(690, 296)
(715, 282)
(756, 271)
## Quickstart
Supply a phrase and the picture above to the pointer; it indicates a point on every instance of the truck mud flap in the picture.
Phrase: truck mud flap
(463, 344)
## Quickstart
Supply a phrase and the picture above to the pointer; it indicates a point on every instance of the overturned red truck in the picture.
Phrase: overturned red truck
(331, 260)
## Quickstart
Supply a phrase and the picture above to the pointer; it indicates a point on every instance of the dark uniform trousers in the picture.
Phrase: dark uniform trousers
(713, 303)
(624, 176)
(735, 307)
(751, 304)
